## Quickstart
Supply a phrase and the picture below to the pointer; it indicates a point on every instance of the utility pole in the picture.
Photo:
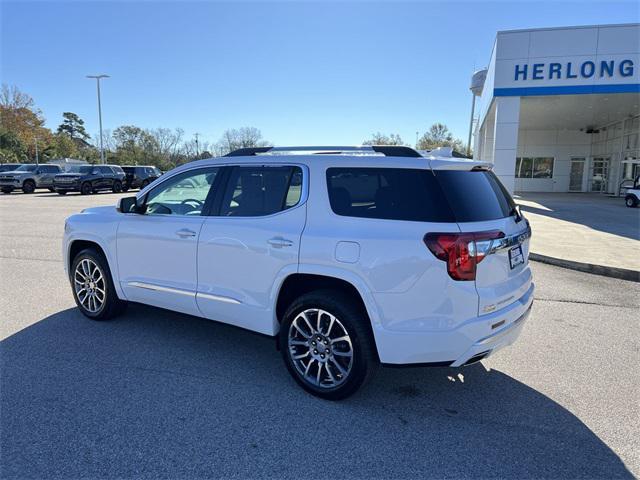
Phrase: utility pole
(197, 146)
(37, 156)
(98, 77)
(417, 140)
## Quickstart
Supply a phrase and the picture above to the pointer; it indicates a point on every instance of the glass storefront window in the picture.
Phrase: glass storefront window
(543, 167)
(534, 167)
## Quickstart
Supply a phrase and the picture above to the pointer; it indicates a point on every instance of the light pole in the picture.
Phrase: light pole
(98, 77)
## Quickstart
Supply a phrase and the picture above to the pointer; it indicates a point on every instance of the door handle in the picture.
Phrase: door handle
(185, 233)
(279, 242)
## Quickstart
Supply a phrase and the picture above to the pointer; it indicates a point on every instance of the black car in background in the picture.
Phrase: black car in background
(139, 176)
(88, 179)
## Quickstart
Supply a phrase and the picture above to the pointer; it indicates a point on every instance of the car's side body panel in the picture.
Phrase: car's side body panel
(157, 265)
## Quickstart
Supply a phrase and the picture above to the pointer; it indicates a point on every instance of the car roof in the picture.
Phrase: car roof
(385, 156)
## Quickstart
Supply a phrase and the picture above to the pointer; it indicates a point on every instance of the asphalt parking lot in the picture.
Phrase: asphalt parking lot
(157, 394)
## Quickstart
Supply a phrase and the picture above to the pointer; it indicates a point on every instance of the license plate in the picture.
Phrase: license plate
(516, 257)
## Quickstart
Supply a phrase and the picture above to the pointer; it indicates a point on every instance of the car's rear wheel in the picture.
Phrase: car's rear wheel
(86, 189)
(117, 187)
(28, 186)
(631, 201)
(92, 286)
(327, 344)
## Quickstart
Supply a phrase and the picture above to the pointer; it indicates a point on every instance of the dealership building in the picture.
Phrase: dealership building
(559, 108)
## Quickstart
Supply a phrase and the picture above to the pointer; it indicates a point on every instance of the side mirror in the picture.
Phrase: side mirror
(129, 205)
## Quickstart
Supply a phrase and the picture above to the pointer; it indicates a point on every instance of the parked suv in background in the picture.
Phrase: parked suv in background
(29, 176)
(139, 177)
(8, 167)
(357, 256)
(88, 179)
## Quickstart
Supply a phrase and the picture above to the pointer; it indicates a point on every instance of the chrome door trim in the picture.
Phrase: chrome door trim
(158, 288)
(218, 298)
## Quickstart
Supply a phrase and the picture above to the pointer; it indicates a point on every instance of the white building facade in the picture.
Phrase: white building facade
(560, 109)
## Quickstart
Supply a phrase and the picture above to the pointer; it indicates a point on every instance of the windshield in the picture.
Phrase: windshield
(81, 169)
(27, 167)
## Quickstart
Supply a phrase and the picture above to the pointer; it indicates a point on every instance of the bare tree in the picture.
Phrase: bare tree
(243, 137)
(382, 139)
(12, 97)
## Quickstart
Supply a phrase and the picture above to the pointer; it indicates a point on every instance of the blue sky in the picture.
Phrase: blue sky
(302, 72)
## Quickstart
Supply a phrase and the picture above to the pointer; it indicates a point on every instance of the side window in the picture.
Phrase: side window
(387, 193)
(104, 170)
(260, 191)
(49, 169)
(183, 194)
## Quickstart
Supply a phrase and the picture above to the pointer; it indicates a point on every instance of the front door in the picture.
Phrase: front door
(576, 174)
(599, 174)
(250, 244)
(157, 250)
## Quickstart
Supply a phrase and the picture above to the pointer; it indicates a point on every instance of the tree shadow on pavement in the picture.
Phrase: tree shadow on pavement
(158, 394)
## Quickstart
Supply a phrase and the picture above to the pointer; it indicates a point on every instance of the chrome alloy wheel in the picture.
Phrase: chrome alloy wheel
(89, 285)
(320, 348)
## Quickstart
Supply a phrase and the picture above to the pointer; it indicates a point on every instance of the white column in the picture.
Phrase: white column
(505, 145)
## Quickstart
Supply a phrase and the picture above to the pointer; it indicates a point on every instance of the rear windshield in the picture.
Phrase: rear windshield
(475, 196)
(417, 194)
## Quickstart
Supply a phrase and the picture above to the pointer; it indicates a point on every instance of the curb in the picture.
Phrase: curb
(612, 272)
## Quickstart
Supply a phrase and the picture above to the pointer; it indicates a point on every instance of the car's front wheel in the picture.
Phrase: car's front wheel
(92, 286)
(86, 189)
(327, 344)
(28, 186)
(631, 201)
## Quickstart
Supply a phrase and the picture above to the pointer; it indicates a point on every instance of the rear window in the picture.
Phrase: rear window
(388, 193)
(418, 195)
(475, 196)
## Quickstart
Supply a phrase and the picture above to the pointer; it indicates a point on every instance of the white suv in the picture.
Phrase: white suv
(349, 256)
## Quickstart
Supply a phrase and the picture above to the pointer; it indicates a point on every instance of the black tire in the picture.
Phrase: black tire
(354, 321)
(112, 305)
(125, 188)
(62, 192)
(117, 187)
(631, 201)
(28, 186)
(144, 184)
(86, 189)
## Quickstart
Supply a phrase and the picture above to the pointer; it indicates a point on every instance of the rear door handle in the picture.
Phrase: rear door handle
(185, 233)
(279, 242)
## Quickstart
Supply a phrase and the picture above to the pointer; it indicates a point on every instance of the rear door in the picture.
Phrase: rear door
(480, 203)
(249, 243)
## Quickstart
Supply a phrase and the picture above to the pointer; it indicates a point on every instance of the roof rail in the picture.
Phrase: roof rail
(386, 150)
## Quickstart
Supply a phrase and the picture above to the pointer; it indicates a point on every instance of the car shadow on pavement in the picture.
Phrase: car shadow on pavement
(158, 394)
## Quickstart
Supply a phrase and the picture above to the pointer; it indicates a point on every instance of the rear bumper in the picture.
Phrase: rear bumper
(473, 340)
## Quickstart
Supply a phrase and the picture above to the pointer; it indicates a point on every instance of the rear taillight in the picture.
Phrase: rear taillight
(461, 251)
